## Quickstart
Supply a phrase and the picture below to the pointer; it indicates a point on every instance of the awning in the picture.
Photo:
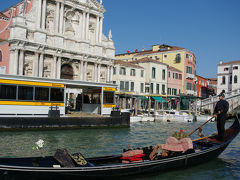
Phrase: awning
(158, 99)
(143, 98)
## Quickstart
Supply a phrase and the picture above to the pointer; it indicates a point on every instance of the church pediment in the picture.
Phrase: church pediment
(92, 4)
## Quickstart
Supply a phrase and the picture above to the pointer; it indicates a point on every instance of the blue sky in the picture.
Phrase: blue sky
(209, 28)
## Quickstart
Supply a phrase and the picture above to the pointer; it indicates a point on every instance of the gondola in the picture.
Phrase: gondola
(205, 149)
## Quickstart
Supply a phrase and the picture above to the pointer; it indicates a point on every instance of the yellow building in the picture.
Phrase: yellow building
(177, 57)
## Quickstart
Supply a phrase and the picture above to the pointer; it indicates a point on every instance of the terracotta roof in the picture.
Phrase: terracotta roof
(173, 69)
(230, 62)
(127, 64)
(146, 60)
(173, 48)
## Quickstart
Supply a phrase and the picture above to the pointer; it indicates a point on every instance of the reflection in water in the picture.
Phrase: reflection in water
(94, 142)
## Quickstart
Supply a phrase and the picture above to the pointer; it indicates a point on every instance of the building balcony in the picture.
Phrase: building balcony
(190, 76)
(190, 92)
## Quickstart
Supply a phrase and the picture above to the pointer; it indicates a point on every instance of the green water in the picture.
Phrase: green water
(95, 142)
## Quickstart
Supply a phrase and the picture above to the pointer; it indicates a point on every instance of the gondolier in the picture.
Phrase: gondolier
(220, 112)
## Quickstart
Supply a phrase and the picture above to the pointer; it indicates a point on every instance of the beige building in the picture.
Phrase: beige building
(139, 79)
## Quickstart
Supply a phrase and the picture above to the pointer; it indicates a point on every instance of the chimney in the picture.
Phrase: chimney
(221, 62)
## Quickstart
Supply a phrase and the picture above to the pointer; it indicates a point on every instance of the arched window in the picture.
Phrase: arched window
(223, 80)
(231, 79)
(235, 79)
(0, 55)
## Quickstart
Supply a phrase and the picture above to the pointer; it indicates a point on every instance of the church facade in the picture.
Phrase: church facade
(57, 39)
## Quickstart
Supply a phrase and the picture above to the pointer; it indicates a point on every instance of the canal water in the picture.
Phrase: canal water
(105, 141)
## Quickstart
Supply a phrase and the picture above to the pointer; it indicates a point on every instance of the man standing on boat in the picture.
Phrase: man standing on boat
(220, 112)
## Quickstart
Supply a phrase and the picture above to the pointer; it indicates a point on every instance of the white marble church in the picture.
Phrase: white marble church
(59, 39)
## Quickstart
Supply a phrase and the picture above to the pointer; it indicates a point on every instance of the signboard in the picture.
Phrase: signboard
(109, 89)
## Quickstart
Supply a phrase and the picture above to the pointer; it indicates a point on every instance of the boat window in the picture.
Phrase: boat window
(42, 94)
(108, 97)
(25, 93)
(8, 91)
(57, 94)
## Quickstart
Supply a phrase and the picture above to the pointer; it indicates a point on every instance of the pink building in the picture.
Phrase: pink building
(174, 81)
(6, 20)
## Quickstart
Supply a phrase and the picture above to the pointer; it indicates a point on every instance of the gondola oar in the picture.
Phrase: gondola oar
(200, 127)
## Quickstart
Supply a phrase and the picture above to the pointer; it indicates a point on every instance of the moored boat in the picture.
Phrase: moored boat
(204, 150)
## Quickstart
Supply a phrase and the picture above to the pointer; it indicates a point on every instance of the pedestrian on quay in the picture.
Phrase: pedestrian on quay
(220, 112)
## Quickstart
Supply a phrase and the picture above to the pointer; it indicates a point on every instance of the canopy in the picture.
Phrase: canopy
(143, 98)
(158, 99)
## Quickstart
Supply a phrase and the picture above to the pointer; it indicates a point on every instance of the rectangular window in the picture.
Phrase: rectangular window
(57, 94)
(8, 92)
(176, 75)
(153, 72)
(189, 86)
(157, 89)
(179, 91)
(142, 87)
(41, 94)
(132, 72)
(142, 73)
(122, 86)
(114, 70)
(225, 69)
(122, 71)
(151, 88)
(173, 75)
(169, 74)
(126, 86)
(180, 76)
(132, 86)
(174, 91)
(25, 93)
(163, 74)
(169, 91)
(163, 89)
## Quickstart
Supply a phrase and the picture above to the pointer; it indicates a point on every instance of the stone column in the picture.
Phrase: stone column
(98, 73)
(57, 17)
(95, 72)
(59, 63)
(35, 65)
(39, 20)
(87, 26)
(16, 62)
(54, 70)
(41, 65)
(100, 30)
(108, 74)
(97, 30)
(111, 73)
(80, 27)
(61, 18)
(44, 9)
(83, 25)
(11, 62)
(21, 63)
(81, 71)
(85, 71)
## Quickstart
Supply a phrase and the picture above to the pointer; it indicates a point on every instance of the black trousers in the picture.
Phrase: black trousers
(221, 118)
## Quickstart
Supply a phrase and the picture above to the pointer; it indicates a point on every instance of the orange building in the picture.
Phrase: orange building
(202, 86)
